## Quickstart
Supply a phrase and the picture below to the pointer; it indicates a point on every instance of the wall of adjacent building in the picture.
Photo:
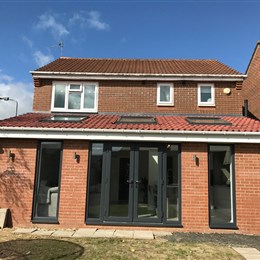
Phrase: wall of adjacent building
(141, 96)
(251, 85)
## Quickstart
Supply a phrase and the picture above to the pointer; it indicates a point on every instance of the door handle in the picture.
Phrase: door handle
(130, 181)
(137, 182)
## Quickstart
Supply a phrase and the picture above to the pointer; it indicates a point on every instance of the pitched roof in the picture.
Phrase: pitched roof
(109, 122)
(138, 66)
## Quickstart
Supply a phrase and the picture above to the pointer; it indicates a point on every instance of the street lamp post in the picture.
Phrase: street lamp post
(11, 99)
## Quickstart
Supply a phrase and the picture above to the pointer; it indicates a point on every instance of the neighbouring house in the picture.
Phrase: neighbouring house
(133, 143)
(251, 85)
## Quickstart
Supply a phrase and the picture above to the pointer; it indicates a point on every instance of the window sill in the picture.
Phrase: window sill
(165, 105)
(206, 105)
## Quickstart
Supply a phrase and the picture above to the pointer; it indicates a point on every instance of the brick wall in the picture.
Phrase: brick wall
(247, 162)
(194, 187)
(17, 178)
(138, 96)
(251, 85)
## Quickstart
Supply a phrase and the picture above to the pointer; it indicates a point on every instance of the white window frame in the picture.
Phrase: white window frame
(209, 103)
(164, 103)
(68, 90)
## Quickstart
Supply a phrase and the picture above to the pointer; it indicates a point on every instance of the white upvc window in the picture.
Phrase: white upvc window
(165, 94)
(206, 95)
(74, 97)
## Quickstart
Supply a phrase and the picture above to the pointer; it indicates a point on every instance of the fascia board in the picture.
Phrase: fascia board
(135, 76)
(131, 135)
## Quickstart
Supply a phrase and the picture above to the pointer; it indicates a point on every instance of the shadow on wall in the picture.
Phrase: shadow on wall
(15, 185)
(40, 249)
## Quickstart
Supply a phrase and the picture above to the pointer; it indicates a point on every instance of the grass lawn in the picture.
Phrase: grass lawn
(32, 247)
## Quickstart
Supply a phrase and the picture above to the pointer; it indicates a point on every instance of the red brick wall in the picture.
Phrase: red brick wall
(251, 85)
(247, 162)
(73, 184)
(17, 178)
(137, 96)
(194, 187)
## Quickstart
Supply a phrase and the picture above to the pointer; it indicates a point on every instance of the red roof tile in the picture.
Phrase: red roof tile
(99, 121)
(139, 66)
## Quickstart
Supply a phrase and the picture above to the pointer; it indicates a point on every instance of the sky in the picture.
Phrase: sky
(31, 30)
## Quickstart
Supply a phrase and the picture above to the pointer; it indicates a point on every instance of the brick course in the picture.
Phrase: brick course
(140, 96)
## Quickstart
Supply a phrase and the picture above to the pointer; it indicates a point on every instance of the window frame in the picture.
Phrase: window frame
(81, 91)
(210, 103)
(165, 103)
(232, 225)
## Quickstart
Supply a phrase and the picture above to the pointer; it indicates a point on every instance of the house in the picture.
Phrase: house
(251, 85)
(131, 143)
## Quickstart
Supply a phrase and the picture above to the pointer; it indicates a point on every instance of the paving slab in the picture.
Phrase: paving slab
(85, 232)
(139, 234)
(43, 232)
(248, 253)
(63, 233)
(124, 233)
(162, 233)
(24, 230)
(3, 213)
(104, 233)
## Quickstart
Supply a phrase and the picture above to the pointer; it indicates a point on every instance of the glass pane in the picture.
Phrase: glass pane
(95, 180)
(205, 94)
(49, 173)
(74, 100)
(165, 94)
(89, 96)
(119, 182)
(74, 87)
(172, 182)
(221, 201)
(148, 183)
(59, 99)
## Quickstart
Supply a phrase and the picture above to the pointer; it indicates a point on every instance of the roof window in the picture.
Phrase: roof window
(207, 121)
(136, 120)
(62, 118)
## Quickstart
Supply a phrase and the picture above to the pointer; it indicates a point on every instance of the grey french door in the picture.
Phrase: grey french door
(133, 183)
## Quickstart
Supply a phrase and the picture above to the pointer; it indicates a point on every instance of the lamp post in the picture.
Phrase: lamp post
(11, 99)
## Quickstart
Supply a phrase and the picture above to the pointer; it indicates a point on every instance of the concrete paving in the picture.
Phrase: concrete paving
(63, 233)
(24, 230)
(161, 233)
(124, 234)
(248, 253)
(85, 232)
(41, 232)
(104, 233)
(139, 234)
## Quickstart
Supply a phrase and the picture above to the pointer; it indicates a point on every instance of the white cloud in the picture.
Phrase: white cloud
(4, 77)
(27, 41)
(21, 92)
(94, 21)
(42, 59)
(90, 19)
(48, 21)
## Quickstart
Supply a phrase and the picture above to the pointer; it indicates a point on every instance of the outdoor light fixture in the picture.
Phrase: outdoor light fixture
(11, 155)
(76, 157)
(11, 99)
(196, 159)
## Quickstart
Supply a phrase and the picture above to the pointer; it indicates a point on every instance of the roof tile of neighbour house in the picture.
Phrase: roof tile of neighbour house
(99, 121)
(138, 66)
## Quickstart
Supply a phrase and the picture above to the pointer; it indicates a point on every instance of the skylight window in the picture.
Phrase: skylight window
(60, 118)
(136, 120)
(207, 121)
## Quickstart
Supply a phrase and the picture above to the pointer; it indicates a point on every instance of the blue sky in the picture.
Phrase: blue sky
(31, 30)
